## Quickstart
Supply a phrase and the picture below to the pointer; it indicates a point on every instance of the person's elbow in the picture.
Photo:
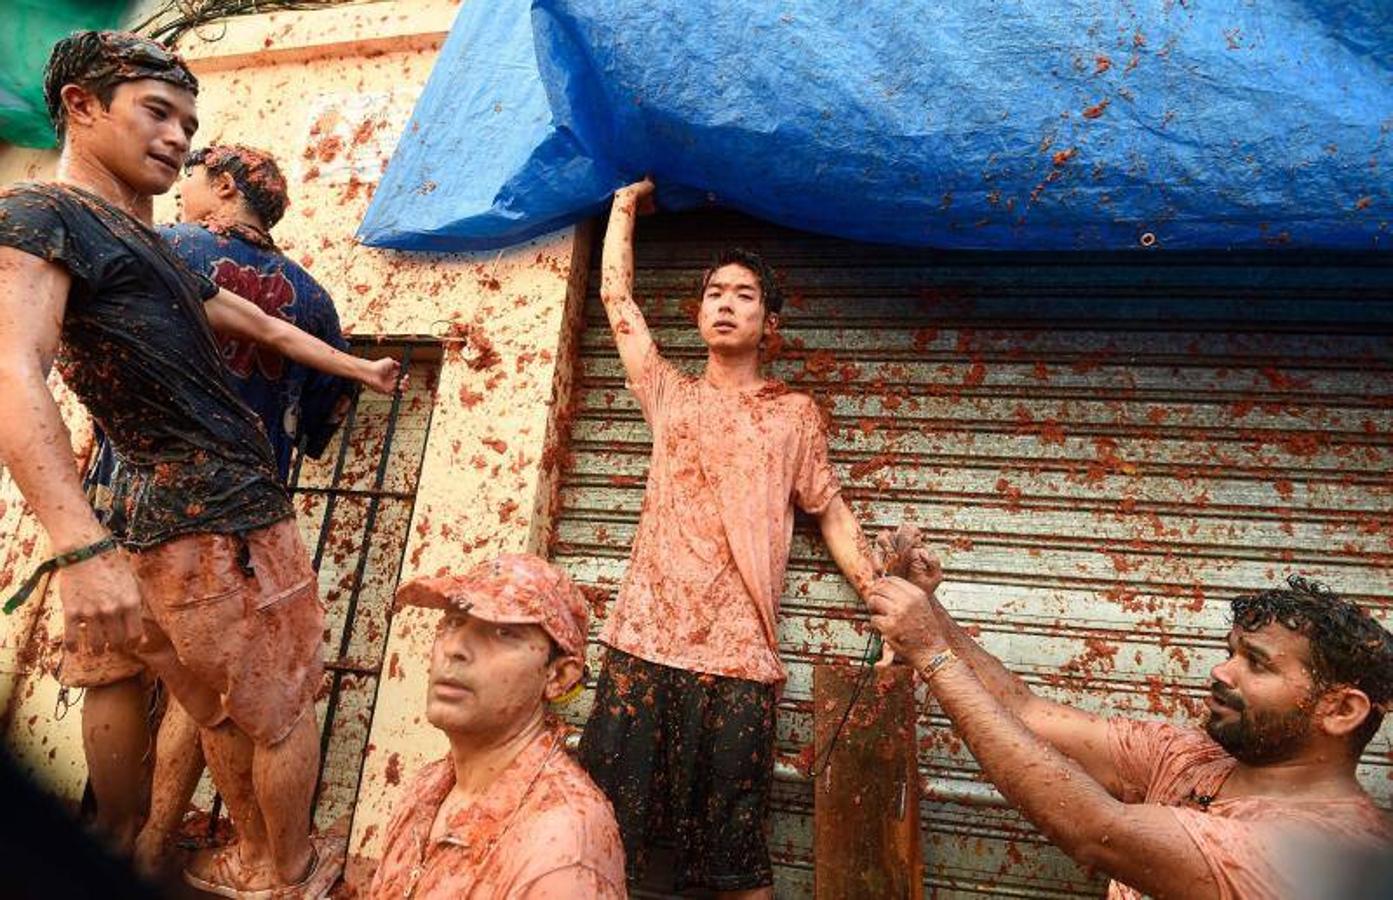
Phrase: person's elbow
(1092, 839)
(836, 520)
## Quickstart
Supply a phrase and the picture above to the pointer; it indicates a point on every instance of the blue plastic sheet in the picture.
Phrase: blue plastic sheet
(1076, 124)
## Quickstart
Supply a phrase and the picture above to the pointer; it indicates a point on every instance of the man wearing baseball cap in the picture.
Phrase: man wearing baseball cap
(507, 815)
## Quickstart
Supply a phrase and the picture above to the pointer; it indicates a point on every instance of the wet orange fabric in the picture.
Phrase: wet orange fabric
(1244, 840)
(234, 635)
(541, 817)
(707, 567)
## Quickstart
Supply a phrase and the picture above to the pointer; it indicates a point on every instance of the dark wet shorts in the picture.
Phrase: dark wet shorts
(687, 759)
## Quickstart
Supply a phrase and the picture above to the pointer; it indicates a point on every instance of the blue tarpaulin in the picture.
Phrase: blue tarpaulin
(1076, 124)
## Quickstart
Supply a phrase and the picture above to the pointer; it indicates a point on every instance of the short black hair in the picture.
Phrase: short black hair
(1348, 647)
(100, 61)
(769, 290)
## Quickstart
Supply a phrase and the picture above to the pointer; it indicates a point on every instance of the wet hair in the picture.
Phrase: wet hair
(769, 290)
(1347, 646)
(255, 173)
(100, 61)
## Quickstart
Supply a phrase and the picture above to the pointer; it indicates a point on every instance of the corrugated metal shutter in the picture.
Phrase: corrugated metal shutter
(1105, 448)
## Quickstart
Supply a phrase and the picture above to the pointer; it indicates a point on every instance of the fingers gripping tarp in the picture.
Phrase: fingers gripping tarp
(1074, 124)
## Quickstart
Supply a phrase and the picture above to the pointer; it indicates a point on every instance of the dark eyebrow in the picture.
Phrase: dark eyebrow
(1255, 651)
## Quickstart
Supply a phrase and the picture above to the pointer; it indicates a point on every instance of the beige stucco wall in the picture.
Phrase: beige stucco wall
(328, 92)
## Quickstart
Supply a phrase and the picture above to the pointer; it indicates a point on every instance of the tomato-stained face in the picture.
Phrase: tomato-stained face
(732, 317)
(141, 137)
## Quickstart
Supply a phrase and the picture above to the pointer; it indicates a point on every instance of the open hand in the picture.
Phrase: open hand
(382, 374)
(101, 603)
(900, 611)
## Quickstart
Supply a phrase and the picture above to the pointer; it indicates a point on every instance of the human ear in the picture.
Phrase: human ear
(562, 675)
(80, 105)
(1342, 710)
(224, 187)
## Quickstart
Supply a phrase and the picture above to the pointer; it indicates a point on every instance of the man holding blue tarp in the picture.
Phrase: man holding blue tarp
(681, 736)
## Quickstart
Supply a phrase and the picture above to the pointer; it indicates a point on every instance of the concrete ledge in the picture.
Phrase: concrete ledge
(360, 30)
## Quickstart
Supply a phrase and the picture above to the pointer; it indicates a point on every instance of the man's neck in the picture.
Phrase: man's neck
(480, 759)
(1315, 775)
(81, 170)
(733, 372)
(233, 216)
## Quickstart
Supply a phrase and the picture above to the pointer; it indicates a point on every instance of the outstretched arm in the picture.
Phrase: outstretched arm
(99, 596)
(1141, 845)
(1080, 735)
(230, 314)
(617, 279)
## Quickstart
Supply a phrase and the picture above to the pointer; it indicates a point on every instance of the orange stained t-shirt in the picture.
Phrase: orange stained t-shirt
(1247, 842)
(707, 566)
(543, 816)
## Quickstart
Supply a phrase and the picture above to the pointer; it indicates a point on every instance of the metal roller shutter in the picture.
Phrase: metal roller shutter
(1105, 448)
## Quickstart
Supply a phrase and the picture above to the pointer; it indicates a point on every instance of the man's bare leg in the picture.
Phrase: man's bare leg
(115, 740)
(284, 776)
(178, 766)
(230, 754)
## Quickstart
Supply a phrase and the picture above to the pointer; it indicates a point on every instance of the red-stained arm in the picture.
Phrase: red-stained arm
(231, 314)
(1078, 734)
(847, 544)
(1141, 845)
(99, 595)
(631, 334)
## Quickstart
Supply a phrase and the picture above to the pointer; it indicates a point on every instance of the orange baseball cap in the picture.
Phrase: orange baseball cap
(514, 589)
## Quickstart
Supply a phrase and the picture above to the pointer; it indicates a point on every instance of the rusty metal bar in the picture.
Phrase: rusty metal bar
(356, 492)
(327, 517)
(350, 614)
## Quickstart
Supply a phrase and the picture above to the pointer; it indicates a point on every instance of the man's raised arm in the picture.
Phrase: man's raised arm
(101, 602)
(1080, 735)
(1142, 845)
(617, 279)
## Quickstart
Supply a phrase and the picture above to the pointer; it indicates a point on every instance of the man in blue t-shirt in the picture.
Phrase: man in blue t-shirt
(231, 198)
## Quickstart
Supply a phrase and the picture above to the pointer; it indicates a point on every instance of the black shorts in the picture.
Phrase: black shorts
(687, 759)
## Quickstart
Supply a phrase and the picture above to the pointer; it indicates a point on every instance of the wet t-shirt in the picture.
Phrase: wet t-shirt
(293, 401)
(137, 351)
(541, 818)
(1247, 842)
(707, 567)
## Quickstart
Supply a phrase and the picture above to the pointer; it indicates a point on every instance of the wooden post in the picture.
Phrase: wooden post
(866, 799)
